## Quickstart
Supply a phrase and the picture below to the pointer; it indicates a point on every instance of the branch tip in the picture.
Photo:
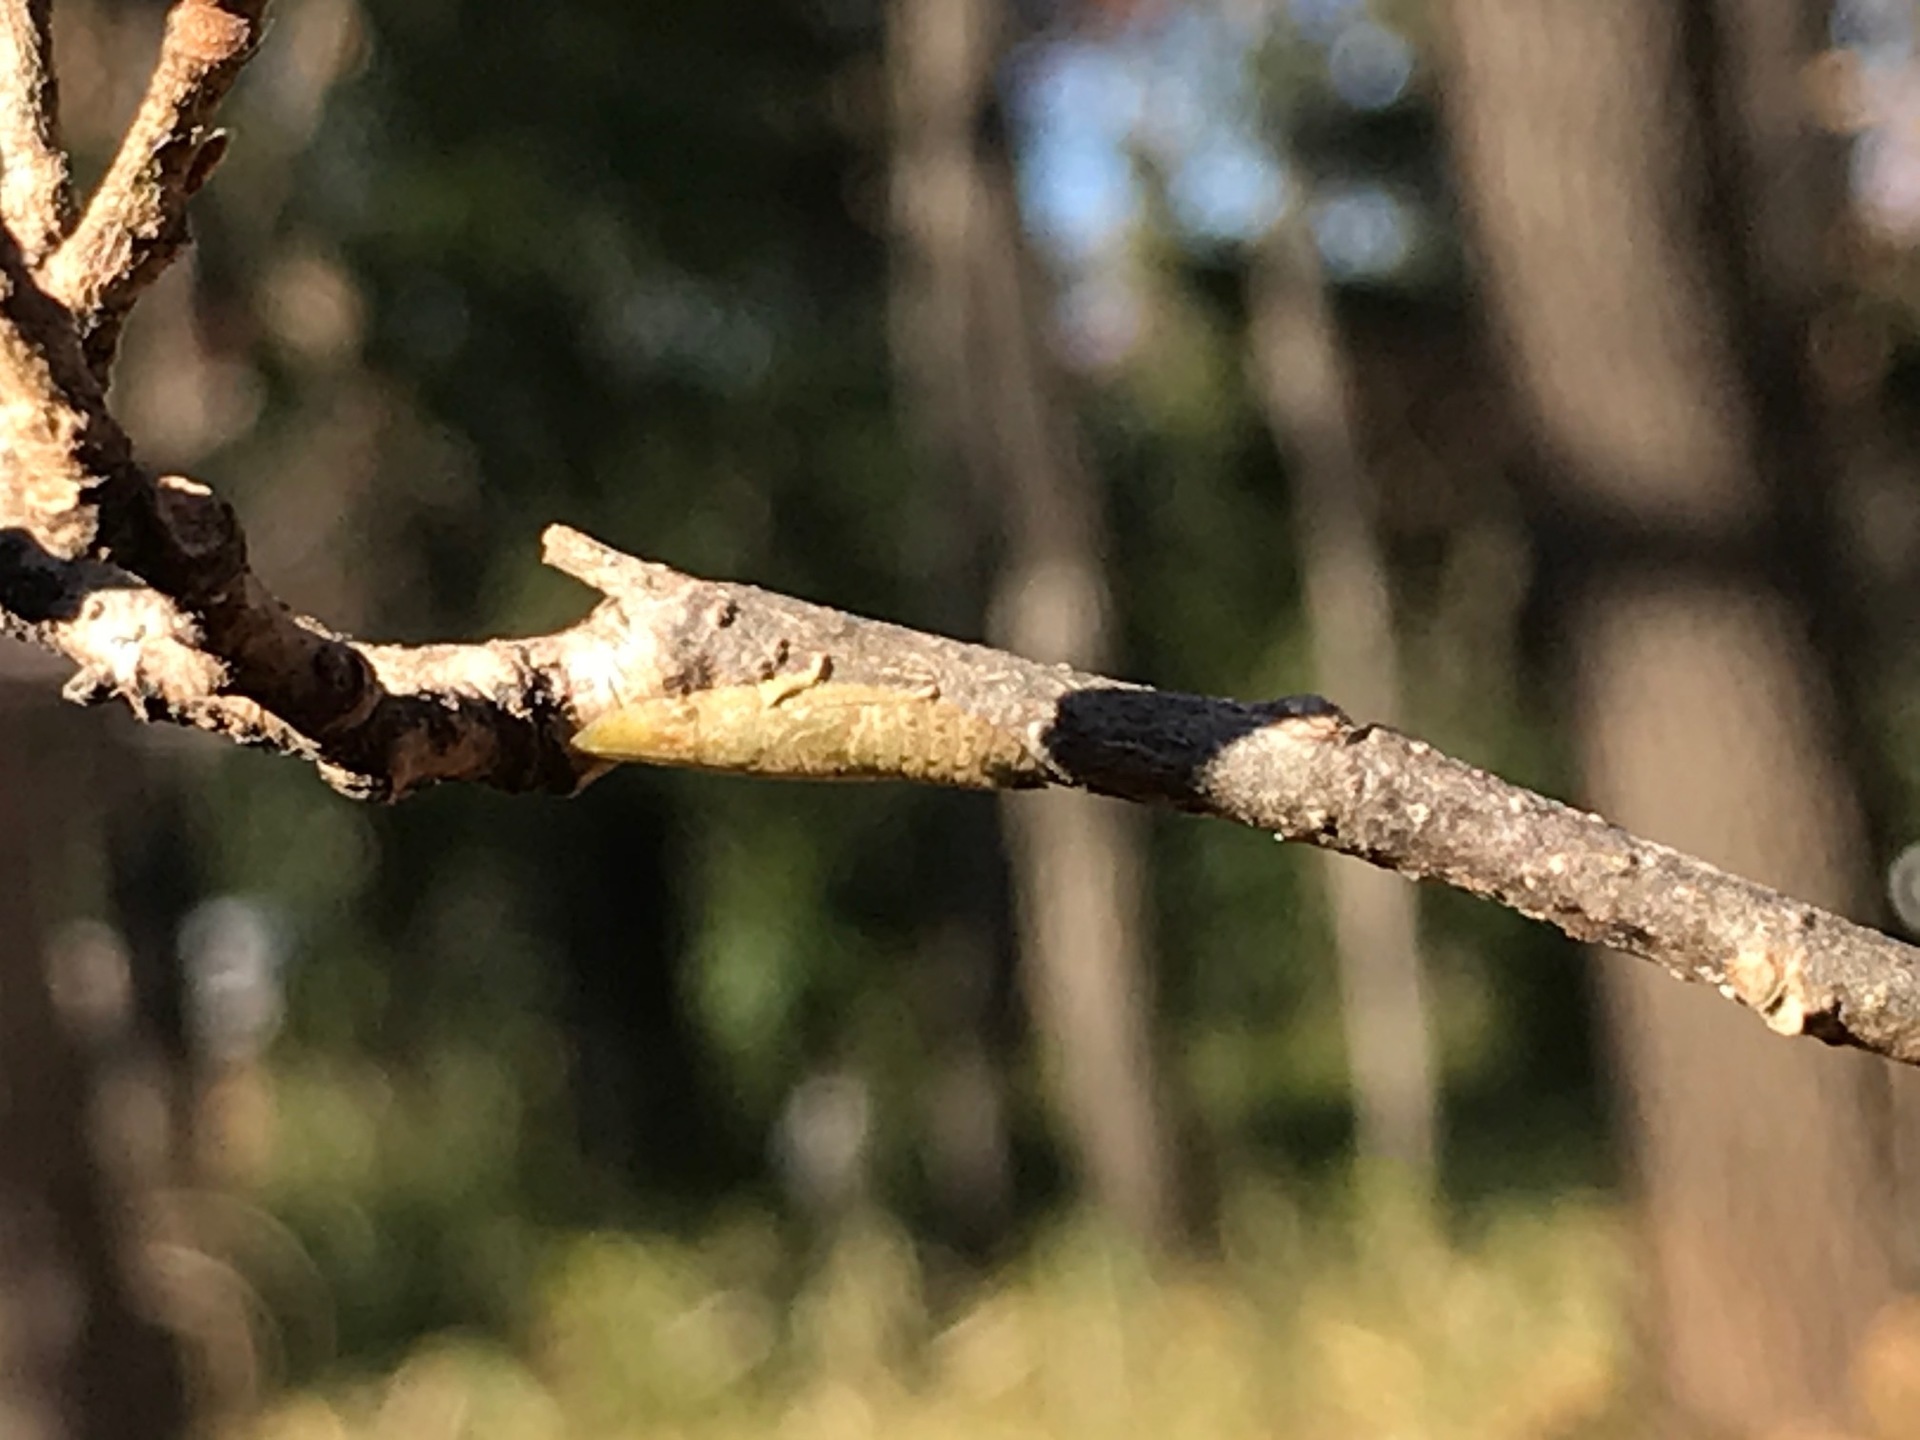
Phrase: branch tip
(598, 565)
(135, 224)
(209, 33)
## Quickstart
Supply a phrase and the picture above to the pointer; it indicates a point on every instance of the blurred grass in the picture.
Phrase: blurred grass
(1359, 1319)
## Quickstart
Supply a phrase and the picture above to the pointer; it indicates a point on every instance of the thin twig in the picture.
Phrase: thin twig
(136, 222)
(36, 198)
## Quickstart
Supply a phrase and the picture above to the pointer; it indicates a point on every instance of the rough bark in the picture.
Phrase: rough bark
(1639, 183)
(1296, 767)
(36, 200)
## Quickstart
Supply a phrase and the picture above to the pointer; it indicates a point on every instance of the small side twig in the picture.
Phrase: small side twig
(136, 222)
(36, 198)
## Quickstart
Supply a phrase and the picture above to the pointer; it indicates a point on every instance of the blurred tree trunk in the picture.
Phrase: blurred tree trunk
(960, 996)
(1301, 371)
(1650, 212)
(80, 1356)
(969, 317)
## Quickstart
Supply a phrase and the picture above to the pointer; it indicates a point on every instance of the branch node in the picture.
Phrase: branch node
(1760, 980)
(201, 525)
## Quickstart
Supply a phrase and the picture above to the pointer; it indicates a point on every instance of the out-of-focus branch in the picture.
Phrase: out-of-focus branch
(136, 222)
(36, 200)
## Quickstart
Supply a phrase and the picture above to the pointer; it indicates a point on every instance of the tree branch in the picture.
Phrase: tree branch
(1304, 771)
(144, 583)
(136, 222)
(502, 713)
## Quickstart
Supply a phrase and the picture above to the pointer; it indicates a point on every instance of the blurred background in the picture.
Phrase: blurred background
(1538, 375)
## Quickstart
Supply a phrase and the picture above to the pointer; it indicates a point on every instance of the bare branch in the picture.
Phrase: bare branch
(1302, 770)
(501, 714)
(136, 222)
(36, 199)
(144, 583)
